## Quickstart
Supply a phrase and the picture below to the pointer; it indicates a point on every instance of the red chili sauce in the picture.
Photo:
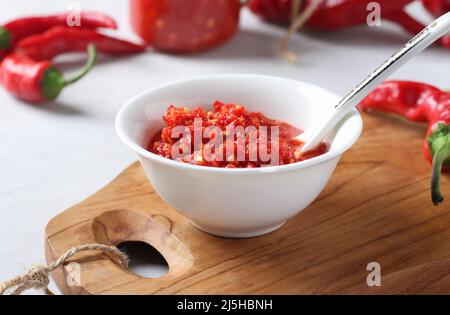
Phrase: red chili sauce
(183, 26)
(240, 150)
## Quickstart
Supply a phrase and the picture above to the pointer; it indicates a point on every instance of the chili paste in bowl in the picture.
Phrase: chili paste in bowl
(233, 188)
(243, 135)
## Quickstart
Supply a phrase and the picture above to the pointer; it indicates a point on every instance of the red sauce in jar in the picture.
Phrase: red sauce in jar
(183, 26)
(230, 136)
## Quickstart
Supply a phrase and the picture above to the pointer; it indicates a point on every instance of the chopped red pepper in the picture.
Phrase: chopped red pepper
(183, 26)
(225, 116)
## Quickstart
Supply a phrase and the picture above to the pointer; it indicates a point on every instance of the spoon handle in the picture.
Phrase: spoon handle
(425, 38)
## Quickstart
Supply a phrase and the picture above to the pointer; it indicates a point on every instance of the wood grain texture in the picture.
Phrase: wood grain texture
(376, 208)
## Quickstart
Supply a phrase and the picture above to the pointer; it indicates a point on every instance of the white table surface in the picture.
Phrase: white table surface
(54, 156)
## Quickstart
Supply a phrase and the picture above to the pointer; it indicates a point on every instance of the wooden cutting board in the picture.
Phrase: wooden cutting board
(376, 208)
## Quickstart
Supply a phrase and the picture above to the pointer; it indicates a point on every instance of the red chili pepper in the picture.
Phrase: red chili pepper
(69, 39)
(15, 30)
(437, 7)
(35, 81)
(332, 14)
(420, 103)
(412, 25)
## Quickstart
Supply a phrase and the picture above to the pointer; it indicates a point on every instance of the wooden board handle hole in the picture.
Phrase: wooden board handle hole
(154, 250)
(145, 260)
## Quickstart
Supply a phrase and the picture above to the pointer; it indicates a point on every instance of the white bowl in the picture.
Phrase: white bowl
(237, 202)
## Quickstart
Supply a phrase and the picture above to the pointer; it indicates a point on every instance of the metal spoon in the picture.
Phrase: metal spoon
(425, 38)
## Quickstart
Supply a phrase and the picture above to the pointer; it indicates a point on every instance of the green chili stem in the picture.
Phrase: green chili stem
(438, 160)
(440, 145)
(92, 58)
(5, 38)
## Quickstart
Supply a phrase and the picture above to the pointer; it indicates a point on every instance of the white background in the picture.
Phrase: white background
(54, 156)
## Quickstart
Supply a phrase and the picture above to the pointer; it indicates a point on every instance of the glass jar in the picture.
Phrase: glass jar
(185, 26)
